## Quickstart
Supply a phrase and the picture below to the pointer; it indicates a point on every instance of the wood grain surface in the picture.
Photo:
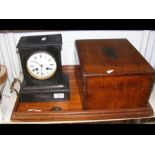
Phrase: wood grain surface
(73, 110)
(114, 74)
(101, 55)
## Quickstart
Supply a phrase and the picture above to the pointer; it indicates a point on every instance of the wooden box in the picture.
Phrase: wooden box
(114, 75)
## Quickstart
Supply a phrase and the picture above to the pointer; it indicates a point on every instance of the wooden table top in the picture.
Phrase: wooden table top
(73, 109)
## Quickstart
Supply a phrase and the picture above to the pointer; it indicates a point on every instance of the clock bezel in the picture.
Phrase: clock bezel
(33, 75)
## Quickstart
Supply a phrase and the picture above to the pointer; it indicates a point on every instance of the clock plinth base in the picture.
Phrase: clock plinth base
(45, 93)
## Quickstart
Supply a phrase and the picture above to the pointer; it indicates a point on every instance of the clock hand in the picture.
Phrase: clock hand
(47, 68)
(36, 69)
(41, 69)
(36, 62)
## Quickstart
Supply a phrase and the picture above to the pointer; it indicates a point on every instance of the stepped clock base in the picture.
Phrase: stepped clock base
(45, 93)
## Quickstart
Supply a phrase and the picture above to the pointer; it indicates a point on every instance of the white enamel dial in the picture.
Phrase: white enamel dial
(41, 65)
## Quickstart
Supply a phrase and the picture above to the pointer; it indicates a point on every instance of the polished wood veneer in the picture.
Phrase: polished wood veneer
(113, 75)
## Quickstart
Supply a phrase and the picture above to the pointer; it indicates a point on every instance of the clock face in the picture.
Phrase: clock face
(41, 65)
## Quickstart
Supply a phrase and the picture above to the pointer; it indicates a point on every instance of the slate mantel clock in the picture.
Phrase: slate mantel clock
(41, 63)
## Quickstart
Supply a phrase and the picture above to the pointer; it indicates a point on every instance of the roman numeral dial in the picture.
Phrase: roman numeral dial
(41, 65)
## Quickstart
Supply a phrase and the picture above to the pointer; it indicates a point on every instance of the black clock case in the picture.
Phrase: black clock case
(45, 93)
(33, 90)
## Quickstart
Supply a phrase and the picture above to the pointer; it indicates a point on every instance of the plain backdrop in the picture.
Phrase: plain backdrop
(77, 9)
(77, 145)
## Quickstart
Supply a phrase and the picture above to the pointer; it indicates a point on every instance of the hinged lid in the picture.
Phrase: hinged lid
(42, 40)
(110, 57)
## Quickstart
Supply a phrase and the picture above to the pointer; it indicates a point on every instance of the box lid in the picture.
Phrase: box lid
(110, 57)
(40, 40)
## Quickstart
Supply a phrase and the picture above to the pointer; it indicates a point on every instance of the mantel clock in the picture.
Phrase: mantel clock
(42, 69)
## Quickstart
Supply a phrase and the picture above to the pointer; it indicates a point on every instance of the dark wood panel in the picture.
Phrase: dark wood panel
(116, 92)
(114, 74)
(101, 55)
